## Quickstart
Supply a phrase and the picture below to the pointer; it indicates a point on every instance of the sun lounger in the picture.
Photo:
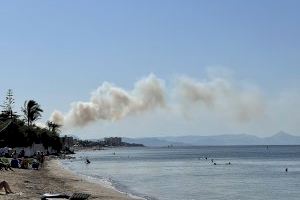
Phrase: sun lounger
(5, 166)
(75, 196)
(79, 196)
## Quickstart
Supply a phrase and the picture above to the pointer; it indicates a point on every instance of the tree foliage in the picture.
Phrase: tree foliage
(15, 132)
(7, 107)
(32, 111)
(53, 126)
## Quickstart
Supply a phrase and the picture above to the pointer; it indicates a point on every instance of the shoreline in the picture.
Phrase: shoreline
(102, 183)
(54, 178)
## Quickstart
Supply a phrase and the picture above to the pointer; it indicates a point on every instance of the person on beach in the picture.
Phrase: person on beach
(35, 164)
(22, 153)
(42, 159)
(14, 163)
(14, 154)
(24, 163)
(38, 156)
(4, 184)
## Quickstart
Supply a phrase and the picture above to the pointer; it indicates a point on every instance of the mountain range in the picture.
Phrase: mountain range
(280, 138)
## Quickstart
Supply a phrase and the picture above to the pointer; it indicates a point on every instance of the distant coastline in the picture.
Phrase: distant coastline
(280, 138)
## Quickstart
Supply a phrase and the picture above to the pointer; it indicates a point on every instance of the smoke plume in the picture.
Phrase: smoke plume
(112, 103)
(221, 96)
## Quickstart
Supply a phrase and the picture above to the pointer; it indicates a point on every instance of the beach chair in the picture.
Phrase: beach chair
(75, 196)
(5, 166)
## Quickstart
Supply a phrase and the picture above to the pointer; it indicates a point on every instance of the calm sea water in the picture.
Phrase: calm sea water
(183, 173)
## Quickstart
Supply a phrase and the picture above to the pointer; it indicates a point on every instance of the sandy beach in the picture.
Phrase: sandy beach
(31, 184)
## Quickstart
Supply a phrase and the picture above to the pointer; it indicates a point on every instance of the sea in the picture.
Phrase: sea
(195, 173)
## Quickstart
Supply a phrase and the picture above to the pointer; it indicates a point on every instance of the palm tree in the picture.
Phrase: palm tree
(53, 126)
(32, 111)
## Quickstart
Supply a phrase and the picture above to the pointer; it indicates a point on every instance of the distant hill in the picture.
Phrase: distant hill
(280, 138)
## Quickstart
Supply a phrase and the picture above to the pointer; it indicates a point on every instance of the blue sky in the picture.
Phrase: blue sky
(58, 52)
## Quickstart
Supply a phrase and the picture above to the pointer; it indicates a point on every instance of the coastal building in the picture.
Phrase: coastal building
(113, 141)
(67, 141)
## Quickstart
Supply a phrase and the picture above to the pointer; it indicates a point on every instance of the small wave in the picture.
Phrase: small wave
(107, 182)
(125, 190)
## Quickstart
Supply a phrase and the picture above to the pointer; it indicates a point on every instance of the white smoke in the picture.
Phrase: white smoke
(221, 96)
(111, 103)
(57, 117)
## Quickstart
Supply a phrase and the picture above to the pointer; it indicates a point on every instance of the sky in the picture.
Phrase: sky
(219, 67)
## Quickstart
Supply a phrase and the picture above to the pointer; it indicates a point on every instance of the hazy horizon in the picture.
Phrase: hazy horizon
(147, 69)
(203, 135)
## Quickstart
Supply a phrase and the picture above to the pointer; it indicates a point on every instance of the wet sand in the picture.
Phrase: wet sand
(31, 184)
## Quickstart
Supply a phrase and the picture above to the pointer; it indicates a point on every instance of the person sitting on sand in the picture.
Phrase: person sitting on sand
(24, 163)
(14, 163)
(4, 184)
(35, 164)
